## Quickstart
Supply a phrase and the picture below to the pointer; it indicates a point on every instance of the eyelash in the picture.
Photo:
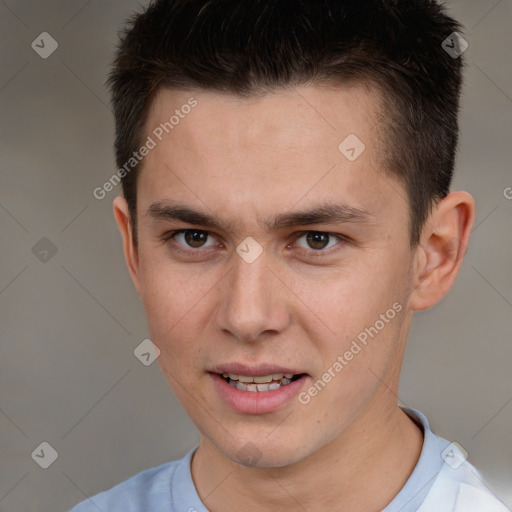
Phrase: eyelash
(168, 239)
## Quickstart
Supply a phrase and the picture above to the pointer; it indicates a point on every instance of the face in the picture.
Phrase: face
(297, 261)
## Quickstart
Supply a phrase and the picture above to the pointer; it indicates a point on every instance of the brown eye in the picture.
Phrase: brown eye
(194, 238)
(318, 241)
(189, 239)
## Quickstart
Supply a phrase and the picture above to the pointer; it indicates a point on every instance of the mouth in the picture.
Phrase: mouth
(262, 383)
(257, 388)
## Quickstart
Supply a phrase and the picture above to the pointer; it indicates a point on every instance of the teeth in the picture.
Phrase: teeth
(263, 379)
(259, 383)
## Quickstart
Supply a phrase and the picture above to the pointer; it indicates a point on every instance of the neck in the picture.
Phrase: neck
(364, 468)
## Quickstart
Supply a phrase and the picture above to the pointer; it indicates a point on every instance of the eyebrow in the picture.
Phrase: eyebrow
(325, 213)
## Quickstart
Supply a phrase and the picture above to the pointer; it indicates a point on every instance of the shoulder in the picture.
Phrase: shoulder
(148, 490)
(459, 487)
(444, 480)
(477, 499)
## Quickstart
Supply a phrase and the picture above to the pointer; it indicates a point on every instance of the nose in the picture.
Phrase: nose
(253, 304)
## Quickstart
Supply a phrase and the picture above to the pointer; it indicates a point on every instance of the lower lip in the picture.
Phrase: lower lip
(256, 402)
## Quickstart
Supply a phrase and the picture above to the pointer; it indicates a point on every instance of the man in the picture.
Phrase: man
(286, 209)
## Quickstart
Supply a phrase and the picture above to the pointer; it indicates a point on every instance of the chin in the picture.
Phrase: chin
(264, 453)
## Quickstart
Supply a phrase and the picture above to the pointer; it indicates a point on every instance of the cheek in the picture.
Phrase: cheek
(359, 333)
(353, 371)
(174, 298)
(351, 300)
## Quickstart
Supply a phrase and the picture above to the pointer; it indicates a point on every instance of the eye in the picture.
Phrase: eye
(191, 238)
(318, 241)
(195, 240)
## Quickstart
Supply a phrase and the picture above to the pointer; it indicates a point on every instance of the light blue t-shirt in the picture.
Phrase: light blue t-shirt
(442, 481)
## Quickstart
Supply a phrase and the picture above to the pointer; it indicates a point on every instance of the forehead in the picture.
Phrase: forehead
(255, 154)
(298, 115)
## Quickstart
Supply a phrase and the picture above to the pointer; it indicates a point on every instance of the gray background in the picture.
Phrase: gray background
(69, 325)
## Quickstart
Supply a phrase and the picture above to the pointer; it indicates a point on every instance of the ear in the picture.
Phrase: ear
(443, 243)
(125, 224)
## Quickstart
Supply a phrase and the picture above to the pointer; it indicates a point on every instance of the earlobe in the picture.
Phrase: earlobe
(124, 222)
(442, 247)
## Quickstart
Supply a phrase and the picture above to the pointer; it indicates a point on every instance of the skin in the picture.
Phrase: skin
(299, 305)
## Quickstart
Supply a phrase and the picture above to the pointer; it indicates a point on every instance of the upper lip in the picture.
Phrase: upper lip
(253, 370)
